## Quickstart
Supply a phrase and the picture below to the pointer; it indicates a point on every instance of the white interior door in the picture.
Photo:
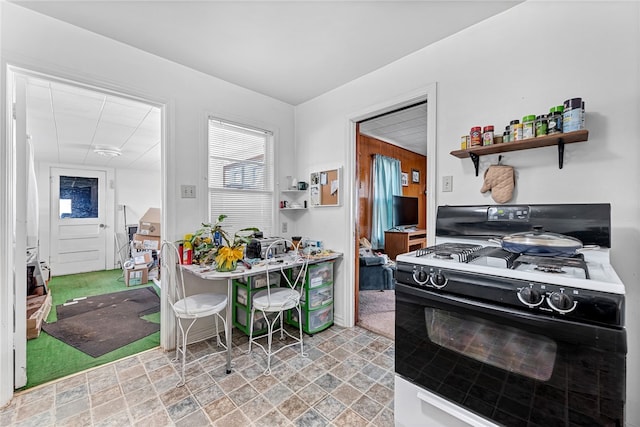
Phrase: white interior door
(78, 221)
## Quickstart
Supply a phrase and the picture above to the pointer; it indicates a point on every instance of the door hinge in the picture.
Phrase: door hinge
(13, 111)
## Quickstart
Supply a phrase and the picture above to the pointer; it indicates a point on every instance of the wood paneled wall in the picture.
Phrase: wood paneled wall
(366, 147)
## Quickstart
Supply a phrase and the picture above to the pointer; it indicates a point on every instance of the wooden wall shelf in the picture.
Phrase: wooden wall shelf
(559, 139)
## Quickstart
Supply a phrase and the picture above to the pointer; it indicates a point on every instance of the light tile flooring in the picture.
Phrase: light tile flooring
(346, 380)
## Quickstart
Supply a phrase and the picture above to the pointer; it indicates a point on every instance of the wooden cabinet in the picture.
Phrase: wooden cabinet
(400, 242)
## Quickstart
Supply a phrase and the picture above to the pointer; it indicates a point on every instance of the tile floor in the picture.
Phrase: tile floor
(346, 380)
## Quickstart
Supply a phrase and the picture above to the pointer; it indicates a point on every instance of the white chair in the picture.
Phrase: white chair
(188, 308)
(279, 300)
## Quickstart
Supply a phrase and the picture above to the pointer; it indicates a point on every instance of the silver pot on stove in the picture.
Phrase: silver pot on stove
(541, 243)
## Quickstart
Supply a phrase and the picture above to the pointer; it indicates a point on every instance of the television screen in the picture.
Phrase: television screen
(405, 211)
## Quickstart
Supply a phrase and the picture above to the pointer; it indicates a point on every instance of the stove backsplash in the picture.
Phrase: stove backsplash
(589, 223)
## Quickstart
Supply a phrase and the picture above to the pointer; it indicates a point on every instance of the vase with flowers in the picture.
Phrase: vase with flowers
(212, 244)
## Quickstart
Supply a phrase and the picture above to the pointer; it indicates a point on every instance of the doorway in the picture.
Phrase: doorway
(426, 99)
(89, 145)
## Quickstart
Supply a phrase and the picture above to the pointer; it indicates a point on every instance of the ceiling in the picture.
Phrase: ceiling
(406, 128)
(66, 124)
(290, 51)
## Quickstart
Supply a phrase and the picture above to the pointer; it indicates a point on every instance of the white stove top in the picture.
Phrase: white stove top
(603, 277)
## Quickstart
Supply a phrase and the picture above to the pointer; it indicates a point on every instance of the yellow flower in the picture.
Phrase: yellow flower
(226, 256)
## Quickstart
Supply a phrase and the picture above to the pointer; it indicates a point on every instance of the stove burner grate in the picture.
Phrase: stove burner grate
(462, 251)
(552, 264)
(489, 253)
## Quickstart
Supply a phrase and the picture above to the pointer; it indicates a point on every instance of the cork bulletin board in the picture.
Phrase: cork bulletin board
(325, 188)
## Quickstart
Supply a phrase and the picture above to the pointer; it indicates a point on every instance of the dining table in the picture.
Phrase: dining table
(247, 269)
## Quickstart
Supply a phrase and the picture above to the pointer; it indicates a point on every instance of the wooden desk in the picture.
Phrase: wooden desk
(276, 264)
(401, 242)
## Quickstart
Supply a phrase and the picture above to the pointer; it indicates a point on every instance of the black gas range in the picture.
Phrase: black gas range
(547, 329)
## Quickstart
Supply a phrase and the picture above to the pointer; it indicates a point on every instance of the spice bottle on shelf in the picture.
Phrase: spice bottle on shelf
(555, 120)
(487, 135)
(528, 126)
(541, 125)
(506, 135)
(572, 115)
(516, 130)
(464, 142)
(475, 136)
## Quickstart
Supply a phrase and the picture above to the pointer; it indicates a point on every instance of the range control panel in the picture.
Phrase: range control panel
(508, 213)
(582, 305)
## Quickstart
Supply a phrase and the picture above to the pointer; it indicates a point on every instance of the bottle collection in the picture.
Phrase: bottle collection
(568, 117)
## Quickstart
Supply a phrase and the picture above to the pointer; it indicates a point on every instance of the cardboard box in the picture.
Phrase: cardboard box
(142, 258)
(141, 242)
(136, 276)
(38, 308)
(150, 223)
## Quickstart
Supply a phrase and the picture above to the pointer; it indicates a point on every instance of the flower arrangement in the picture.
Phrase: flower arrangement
(208, 245)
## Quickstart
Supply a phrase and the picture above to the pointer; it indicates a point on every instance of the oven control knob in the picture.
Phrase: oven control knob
(439, 280)
(561, 302)
(530, 297)
(420, 276)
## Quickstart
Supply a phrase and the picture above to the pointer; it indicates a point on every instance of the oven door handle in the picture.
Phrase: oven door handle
(453, 410)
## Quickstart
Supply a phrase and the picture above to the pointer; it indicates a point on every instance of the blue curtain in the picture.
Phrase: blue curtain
(386, 184)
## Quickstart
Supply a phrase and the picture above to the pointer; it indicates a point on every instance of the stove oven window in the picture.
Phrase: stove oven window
(507, 348)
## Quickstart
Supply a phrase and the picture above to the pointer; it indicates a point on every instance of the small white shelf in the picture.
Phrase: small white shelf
(296, 197)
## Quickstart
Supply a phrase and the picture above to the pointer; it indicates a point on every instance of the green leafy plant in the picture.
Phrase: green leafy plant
(205, 249)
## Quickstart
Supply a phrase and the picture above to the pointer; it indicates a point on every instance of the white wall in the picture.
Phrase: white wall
(43, 44)
(520, 62)
(137, 191)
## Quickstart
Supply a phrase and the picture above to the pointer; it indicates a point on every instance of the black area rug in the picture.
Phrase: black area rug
(103, 323)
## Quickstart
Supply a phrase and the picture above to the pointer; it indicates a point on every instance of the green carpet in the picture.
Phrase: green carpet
(49, 359)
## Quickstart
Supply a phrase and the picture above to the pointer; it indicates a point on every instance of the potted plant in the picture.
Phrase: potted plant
(212, 243)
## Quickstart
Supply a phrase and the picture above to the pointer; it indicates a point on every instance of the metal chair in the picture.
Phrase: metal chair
(279, 300)
(188, 308)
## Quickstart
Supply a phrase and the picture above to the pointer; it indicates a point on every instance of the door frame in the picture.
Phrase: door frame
(428, 94)
(8, 201)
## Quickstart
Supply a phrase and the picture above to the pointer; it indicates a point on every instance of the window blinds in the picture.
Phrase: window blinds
(240, 176)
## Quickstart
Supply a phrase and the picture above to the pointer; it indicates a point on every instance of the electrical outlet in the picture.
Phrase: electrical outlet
(284, 227)
(188, 191)
(447, 184)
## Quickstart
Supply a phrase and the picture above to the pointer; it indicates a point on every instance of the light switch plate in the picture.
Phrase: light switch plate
(447, 184)
(188, 191)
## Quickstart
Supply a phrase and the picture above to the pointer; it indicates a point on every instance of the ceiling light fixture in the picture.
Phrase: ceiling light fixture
(107, 151)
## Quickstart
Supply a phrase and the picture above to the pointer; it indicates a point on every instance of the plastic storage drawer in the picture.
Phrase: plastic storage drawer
(313, 321)
(260, 280)
(320, 274)
(317, 297)
(317, 274)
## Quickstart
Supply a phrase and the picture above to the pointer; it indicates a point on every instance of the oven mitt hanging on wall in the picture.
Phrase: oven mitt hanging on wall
(500, 180)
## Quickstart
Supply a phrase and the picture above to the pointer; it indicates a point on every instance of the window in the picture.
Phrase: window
(78, 197)
(240, 175)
